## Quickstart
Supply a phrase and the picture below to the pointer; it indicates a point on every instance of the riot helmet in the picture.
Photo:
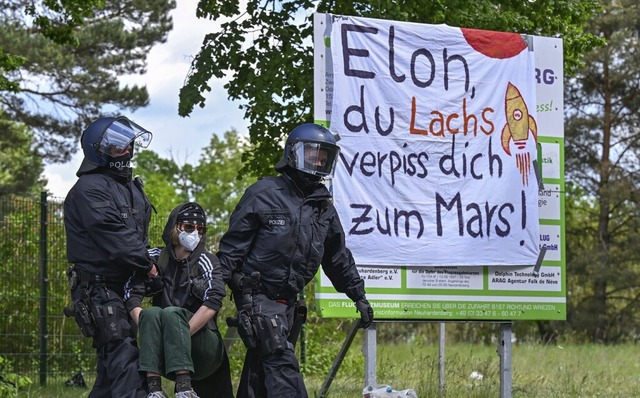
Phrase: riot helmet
(111, 138)
(311, 149)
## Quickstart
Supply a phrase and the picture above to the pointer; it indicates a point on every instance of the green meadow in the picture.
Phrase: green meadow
(537, 371)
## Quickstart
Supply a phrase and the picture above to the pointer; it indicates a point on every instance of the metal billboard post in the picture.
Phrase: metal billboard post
(369, 350)
(441, 358)
(504, 352)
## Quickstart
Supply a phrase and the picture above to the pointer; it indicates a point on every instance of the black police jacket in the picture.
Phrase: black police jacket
(284, 235)
(106, 224)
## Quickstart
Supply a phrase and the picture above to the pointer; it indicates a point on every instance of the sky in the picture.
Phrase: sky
(173, 136)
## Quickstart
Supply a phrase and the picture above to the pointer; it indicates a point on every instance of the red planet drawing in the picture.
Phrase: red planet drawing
(499, 45)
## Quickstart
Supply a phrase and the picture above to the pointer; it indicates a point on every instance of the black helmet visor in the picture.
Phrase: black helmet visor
(121, 133)
(315, 158)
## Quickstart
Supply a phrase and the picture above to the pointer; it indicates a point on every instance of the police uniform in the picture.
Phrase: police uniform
(284, 234)
(106, 219)
(106, 223)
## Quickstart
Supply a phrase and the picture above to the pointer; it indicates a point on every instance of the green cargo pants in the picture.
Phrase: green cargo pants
(165, 344)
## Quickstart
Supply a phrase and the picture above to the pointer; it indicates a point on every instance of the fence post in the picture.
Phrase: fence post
(43, 288)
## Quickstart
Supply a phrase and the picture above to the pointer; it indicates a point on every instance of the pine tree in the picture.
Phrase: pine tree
(602, 164)
(59, 68)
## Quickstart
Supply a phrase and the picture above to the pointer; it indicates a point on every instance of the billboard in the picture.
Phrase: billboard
(450, 179)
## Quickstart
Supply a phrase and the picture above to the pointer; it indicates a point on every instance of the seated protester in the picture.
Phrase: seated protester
(178, 336)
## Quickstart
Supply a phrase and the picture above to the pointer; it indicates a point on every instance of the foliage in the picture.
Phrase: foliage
(10, 382)
(57, 20)
(602, 163)
(266, 48)
(162, 181)
(216, 184)
(24, 296)
(323, 341)
(20, 166)
(56, 87)
(9, 63)
(213, 181)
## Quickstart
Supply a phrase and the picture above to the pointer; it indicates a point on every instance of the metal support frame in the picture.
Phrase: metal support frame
(441, 383)
(370, 348)
(338, 361)
(504, 351)
(370, 355)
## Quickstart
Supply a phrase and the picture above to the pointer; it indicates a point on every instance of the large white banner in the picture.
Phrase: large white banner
(439, 138)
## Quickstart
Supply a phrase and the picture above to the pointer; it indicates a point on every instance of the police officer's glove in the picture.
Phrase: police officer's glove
(153, 286)
(366, 313)
(236, 281)
(242, 298)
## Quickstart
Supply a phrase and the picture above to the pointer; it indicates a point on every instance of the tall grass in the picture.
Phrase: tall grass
(537, 371)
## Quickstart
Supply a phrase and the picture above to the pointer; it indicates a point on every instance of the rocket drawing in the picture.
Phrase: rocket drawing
(519, 124)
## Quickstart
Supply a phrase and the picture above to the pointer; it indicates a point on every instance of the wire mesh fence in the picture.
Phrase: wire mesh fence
(36, 339)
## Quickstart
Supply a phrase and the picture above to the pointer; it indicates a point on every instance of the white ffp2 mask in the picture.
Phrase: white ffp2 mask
(189, 240)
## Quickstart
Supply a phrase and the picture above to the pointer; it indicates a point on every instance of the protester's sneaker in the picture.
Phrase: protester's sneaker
(157, 394)
(187, 394)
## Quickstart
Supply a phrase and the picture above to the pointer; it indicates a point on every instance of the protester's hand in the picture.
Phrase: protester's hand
(135, 315)
(153, 272)
(366, 313)
(153, 286)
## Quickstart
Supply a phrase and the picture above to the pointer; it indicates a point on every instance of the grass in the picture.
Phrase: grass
(537, 371)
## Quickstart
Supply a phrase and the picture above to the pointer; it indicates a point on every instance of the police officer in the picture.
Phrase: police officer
(106, 217)
(280, 232)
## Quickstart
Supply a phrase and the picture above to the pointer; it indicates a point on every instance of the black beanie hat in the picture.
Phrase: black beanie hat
(193, 213)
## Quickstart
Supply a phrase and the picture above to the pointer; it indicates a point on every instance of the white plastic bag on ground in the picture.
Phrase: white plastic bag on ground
(386, 391)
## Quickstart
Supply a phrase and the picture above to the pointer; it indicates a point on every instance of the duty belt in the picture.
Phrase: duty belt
(288, 300)
(79, 276)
